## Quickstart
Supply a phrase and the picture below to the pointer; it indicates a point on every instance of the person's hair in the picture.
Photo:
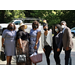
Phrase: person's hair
(59, 27)
(10, 25)
(64, 22)
(35, 23)
(45, 24)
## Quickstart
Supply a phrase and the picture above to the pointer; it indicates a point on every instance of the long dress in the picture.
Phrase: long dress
(24, 36)
(33, 35)
(9, 36)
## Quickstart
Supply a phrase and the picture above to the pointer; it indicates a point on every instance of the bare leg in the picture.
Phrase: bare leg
(8, 60)
(35, 63)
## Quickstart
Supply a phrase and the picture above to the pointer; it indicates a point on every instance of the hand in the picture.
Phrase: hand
(67, 48)
(44, 50)
(2, 45)
(35, 47)
(51, 48)
(58, 50)
(20, 47)
(50, 30)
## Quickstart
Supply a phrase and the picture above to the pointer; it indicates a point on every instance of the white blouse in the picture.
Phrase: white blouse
(48, 39)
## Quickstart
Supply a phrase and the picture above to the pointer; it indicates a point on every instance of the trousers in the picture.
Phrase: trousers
(47, 53)
(68, 60)
(57, 56)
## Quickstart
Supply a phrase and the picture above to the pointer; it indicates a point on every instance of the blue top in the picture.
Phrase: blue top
(33, 36)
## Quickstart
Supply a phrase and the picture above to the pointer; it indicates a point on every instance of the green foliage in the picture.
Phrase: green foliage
(52, 16)
(8, 15)
(18, 14)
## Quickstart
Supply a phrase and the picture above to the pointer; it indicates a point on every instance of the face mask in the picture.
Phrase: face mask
(56, 30)
(63, 26)
(34, 27)
(11, 28)
(45, 29)
(22, 28)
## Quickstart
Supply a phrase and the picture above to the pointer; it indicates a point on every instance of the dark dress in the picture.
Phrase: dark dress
(57, 43)
(25, 45)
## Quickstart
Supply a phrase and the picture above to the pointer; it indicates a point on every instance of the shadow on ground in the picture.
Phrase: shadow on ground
(52, 61)
(62, 57)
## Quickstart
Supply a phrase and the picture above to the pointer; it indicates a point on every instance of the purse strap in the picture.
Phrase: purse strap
(2, 49)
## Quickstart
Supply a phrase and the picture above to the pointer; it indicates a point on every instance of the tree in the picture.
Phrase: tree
(69, 17)
(8, 15)
(28, 13)
(2, 15)
(18, 14)
(51, 16)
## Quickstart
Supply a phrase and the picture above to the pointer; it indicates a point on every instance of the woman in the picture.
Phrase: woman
(35, 34)
(8, 41)
(23, 44)
(46, 40)
(57, 43)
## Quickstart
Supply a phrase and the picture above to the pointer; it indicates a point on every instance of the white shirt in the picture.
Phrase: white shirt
(48, 39)
(63, 30)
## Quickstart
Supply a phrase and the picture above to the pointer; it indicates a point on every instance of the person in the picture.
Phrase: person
(8, 42)
(57, 43)
(44, 21)
(67, 42)
(22, 44)
(35, 34)
(46, 41)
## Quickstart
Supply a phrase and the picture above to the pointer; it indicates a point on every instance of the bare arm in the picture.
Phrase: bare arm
(37, 39)
(2, 42)
(38, 36)
(20, 43)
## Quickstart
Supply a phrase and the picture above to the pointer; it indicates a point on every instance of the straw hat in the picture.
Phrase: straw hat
(23, 25)
(44, 21)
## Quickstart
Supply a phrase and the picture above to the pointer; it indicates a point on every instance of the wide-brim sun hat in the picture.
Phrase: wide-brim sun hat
(23, 25)
(44, 21)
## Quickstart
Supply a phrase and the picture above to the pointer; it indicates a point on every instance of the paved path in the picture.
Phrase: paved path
(52, 61)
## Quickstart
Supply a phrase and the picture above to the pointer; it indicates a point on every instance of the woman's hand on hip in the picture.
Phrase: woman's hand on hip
(44, 50)
(20, 47)
(58, 50)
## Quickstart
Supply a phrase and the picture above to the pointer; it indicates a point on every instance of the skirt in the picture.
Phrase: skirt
(24, 50)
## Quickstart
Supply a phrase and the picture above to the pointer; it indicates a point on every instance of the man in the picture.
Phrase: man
(67, 42)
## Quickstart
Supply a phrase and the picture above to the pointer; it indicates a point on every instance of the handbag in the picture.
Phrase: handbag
(3, 57)
(36, 58)
(21, 58)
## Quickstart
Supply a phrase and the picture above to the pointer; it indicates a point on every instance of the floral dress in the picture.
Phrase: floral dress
(33, 35)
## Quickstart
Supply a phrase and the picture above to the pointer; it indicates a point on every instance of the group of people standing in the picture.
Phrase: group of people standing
(21, 42)
(62, 39)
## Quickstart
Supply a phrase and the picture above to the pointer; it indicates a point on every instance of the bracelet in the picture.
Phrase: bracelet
(35, 44)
